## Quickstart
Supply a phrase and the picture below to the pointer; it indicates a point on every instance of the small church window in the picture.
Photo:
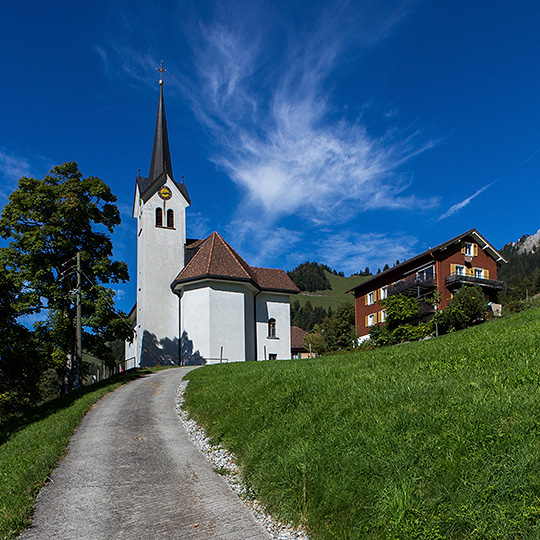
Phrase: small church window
(170, 219)
(159, 217)
(272, 328)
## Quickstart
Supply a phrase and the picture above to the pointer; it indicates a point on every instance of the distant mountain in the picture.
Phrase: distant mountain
(528, 243)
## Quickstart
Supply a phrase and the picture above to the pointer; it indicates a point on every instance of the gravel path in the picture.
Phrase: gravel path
(132, 472)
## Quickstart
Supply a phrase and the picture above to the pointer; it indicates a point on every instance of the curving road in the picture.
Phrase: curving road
(131, 472)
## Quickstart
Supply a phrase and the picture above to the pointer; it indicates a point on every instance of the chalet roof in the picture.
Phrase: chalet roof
(297, 337)
(215, 259)
(429, 253)
(161, 155)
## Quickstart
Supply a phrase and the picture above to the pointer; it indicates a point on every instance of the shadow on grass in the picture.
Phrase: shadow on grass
(12, 426)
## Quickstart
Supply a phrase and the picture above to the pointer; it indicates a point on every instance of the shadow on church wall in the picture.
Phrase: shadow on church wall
(188, 355)
(163, 352)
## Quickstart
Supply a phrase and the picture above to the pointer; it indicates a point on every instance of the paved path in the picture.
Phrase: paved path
(131, 472)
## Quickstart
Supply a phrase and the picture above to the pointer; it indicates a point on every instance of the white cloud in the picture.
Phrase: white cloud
(198, 225)
(258, 244)
(352, 252)
(271, 124)
(11, 169)
(457, 207)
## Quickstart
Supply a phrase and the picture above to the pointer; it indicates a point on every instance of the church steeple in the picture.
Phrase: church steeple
(161, 156)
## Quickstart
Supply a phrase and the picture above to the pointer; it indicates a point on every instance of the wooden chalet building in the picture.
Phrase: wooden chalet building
(467, 259)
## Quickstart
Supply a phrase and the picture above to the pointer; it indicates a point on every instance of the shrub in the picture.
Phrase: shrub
(467, 307)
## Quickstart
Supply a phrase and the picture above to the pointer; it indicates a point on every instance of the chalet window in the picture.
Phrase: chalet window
(384, 292)
(371, 319)
(469, 249)
(271, 328)
(370, 298)
(460, 270)
(383, 316)
(479, 273)
(170, 219)
(159, 217)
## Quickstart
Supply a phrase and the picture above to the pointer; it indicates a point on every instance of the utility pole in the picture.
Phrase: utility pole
(78, 353)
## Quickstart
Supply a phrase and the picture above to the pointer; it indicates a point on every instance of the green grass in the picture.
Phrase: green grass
(431, 440)
(333, 297)
(30, 447)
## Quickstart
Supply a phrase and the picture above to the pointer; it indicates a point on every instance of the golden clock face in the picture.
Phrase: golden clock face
(165, 193)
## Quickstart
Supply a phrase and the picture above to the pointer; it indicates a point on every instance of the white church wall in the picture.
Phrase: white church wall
(195, 323)
(227, 323)
(160, 256)
(273, 306)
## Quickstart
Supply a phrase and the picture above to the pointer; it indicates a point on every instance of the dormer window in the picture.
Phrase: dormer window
(468, 251)
(159, 217)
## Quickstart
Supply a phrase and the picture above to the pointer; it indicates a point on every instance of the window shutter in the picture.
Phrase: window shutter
(475, 250)
(486, 274)
(453, 268)
(377, 295)
(367, 321)
(366, 302)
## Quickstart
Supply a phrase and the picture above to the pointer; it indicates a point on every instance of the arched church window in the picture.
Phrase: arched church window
(272, 328)
(170, 219)
(159, 217)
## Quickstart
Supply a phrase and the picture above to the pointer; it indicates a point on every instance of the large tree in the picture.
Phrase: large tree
(48, 222)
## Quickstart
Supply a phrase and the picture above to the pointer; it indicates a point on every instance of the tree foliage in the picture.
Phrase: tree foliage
(22, 359)
(467, 307)
(310, 276)
(339, 330)
(400, 309)
(307, 316)
(48, 222)
(521, 274)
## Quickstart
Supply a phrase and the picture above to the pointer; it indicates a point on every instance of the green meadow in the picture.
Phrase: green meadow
(431, 440)
(333, 297)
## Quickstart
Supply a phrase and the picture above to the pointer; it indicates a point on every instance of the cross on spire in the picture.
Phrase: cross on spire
(161, 70)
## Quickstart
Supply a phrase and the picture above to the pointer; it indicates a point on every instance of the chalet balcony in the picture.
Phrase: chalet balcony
(456, 280)
(415, 285)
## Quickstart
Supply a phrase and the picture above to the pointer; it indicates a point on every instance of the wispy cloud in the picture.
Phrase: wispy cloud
(259, 244)
(12, 167)
(271, 122)
(457, 207)
(198, 225)
(352, 252)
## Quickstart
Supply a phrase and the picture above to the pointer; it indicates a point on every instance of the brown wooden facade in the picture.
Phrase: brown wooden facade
(464, 260)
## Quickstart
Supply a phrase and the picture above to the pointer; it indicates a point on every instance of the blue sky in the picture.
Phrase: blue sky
(351, 133)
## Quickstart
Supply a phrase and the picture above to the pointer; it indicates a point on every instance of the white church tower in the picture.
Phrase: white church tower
(160, 209)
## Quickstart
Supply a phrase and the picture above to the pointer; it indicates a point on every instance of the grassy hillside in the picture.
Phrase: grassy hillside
(430, 440)
(30, 447)
(333, 297)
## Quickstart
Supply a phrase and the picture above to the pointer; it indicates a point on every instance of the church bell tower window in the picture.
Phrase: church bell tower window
(159, 217)
(170, 219)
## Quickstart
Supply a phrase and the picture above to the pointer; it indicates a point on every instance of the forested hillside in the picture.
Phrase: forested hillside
(521, 273)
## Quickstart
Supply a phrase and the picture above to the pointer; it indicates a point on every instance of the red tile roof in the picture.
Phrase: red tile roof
(216, 259)
(297, 338)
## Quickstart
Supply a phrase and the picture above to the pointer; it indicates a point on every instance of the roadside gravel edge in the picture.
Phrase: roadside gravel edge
(225, 464)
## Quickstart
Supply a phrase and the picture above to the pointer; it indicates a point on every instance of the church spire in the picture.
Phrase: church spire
(161, 156)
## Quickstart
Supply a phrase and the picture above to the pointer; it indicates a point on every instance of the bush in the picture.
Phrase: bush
(467, 307)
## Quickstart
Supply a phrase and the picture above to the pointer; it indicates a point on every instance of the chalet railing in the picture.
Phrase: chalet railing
(456, 279)
(412, 283)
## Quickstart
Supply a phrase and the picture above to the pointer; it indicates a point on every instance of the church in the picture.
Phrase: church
(198, 301)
